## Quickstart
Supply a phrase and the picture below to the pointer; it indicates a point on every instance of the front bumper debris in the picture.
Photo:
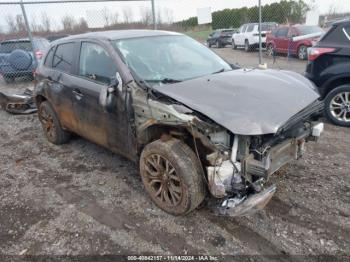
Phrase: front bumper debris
(234, 207)
(18, 103)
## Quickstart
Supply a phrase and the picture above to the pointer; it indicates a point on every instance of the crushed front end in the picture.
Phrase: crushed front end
(237, 177)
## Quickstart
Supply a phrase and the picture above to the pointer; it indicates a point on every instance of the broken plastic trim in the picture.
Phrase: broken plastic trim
(243, 207)
(18, 103)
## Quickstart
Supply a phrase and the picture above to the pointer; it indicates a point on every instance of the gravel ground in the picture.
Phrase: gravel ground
(80, 198)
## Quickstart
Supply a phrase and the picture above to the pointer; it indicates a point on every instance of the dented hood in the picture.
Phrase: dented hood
(246, 102)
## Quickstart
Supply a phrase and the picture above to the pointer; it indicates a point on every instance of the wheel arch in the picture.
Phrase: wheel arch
(333, 83)
(200, 144)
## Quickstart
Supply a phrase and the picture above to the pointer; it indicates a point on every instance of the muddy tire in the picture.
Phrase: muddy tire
(172, 176)
(51, 124)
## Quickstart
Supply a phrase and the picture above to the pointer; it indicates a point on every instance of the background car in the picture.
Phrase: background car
(280, 40)
(17, 57)
(248, 35)
(329, 68)
(220, 38)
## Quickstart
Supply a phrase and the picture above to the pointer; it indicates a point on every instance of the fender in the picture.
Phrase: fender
(334, 79)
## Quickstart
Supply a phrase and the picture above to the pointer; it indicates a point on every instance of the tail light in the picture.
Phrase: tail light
(315, 52)
(39, 54)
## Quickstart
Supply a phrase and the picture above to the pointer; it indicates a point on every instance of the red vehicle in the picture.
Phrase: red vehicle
(290, 40)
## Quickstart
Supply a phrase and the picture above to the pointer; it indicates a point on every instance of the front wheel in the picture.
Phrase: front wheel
(302, 52)
(337, 106)
(172, 176)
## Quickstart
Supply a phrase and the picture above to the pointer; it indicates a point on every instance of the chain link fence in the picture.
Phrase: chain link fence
(27, 27)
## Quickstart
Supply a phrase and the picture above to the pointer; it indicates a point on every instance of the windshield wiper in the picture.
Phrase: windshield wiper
(219, 71)
(164, 80)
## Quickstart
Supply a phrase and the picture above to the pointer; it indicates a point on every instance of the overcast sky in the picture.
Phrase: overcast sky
(174, 9)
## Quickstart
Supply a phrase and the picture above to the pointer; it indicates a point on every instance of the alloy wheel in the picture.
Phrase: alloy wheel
(340, 106)
(162, 180)
(302, 52)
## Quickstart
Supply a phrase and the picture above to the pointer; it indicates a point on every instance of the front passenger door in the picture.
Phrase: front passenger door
(95, 69)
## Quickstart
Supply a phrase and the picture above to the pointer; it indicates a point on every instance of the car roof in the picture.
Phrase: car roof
(342, 22)
(116, 35)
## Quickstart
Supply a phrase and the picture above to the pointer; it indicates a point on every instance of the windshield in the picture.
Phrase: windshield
(305, 30)
(170, 58)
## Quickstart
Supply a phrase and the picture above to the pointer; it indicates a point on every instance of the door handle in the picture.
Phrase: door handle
(78, 93)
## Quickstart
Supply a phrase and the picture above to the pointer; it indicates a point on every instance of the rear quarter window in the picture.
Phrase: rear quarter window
(63, 57)
(337, 35)
(49, 57)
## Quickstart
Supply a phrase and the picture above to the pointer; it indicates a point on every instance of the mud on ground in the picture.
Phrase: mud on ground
(81, 199)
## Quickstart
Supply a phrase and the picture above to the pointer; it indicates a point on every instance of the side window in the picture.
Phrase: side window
(63, 57)
(250, 28)
(282, 32)
(95, 63)
(49, 57)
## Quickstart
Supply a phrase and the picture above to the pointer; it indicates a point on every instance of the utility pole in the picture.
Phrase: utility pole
(154, 15)
(28, 28)
(260, 44)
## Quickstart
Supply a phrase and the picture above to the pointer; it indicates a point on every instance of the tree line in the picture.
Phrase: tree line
(286, 11)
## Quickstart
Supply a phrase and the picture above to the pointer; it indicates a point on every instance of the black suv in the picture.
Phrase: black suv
(194, 123)
(329, 69)
(221, 37)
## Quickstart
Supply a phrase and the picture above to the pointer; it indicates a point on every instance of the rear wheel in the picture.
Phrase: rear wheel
(51, 124)
(337, 106)
(172, 176)
(302, 52)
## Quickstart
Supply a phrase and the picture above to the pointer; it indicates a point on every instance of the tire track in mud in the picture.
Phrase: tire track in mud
(118, 219)
(310, 220)
(252, 240)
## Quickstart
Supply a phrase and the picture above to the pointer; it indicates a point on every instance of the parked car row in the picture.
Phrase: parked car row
(291, 40)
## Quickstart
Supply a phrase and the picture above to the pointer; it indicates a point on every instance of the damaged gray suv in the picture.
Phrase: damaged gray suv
(198, 126)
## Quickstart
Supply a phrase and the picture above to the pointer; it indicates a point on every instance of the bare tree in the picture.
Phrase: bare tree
(168, 15)
(146, 15)
(106, 16)
(35, 27)
(11, 23)
(21, 26)
(127, 15)
(68, 23)
(46, 22)
(82, 25)
(115, 18)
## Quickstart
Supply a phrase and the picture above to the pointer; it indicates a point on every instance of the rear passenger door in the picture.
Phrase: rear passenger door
(60, 80)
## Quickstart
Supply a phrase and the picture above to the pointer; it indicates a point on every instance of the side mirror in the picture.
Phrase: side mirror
(235, 66)
(108, 95)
